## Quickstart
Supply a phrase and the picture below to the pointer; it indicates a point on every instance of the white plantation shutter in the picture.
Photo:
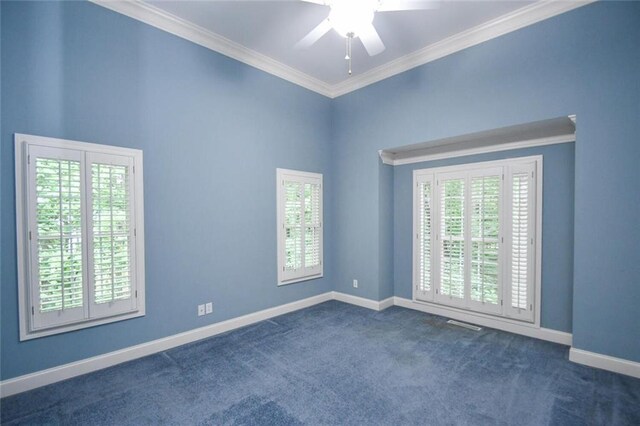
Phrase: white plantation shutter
(424, 236)
(452, 196)
(521, 253)
(485, 265)
(312, 227)
(299, 225)
(80, 260)
(293, 225)
(111, 226)
(55, 216)
(475, 237)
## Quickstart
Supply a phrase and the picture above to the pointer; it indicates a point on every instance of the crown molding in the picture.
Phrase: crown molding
(170, 23)
(504, 24)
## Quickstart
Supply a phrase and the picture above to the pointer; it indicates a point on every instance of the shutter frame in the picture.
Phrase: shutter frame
(521, 309)
(424, 185)
(55, 318)
(115, 306)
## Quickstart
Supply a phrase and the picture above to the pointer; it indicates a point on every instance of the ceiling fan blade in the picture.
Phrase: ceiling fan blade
(320, 2)
(314, 35)
(371, 40)
(399, 5)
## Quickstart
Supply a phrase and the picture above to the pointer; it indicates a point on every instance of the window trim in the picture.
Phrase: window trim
(419, 175)
(21, 144)
(302, 176)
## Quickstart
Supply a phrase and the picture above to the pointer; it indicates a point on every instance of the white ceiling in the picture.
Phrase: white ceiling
(274, 27)
(263, 34)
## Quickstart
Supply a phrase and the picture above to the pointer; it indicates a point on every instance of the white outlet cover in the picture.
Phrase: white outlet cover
(355, 283)
(200, 310)
(209, 307)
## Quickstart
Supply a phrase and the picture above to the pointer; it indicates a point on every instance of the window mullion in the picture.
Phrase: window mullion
(87, 240)
(61, 233)
(303, 206)
(467, 239)
(111, 237)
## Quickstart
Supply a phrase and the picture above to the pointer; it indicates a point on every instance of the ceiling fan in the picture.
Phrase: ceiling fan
(354, 19)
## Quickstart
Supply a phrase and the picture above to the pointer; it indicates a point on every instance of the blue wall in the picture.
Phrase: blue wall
(213, 131)
(386, 213)
(557, 227)
(584, 62)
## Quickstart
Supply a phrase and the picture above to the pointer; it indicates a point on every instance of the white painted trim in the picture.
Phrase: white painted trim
(520, 18)
(182, 28)
(605, 362)
(507, 23)
(77, 145)
(517, 327)
(388, 158)
(73, 369)
(385, 303)
(363, 302)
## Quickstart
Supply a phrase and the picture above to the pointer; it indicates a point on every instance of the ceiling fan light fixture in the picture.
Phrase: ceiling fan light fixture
(351, 16)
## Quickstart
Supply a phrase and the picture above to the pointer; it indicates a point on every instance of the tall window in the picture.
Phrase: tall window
(299, 226)
(475, 237)
(79, 234)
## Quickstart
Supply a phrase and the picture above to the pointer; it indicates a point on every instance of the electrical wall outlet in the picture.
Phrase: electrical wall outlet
(355, 283)
(200, 310)
(209, 307)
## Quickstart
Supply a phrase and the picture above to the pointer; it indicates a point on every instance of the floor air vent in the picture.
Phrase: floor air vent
(465, 325)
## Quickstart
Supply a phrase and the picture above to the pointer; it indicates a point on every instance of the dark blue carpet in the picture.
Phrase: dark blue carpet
(339, 364)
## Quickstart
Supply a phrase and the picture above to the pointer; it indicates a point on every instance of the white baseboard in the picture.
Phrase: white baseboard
(386, 303)
(605, 362)
(73, 369)
(361, 301)
(67, 371)
(512, 327)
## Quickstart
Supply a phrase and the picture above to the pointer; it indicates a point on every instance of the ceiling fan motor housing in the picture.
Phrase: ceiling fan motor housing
(351, 16)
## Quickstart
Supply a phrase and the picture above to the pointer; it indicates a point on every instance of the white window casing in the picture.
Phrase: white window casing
(80, 234)
(299, 226)
(477, 238)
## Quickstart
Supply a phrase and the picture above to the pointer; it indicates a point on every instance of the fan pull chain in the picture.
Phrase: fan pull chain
(348, 55)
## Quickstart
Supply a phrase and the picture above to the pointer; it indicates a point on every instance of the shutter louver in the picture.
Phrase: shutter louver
(452, 253)
(485, 228)
(111, 209)
(59, 234)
